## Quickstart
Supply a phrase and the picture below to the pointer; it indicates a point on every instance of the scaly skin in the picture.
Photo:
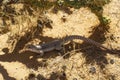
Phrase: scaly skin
(57, 44)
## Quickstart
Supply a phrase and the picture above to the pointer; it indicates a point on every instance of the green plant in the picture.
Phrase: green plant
(105, 21)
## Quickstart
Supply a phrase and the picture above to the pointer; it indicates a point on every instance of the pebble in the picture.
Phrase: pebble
(92, 70)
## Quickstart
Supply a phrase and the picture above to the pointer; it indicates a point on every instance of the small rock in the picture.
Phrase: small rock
(112, 61)
(74, 78)
(92, 70)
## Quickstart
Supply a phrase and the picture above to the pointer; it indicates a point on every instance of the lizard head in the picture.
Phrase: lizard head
(34, 48)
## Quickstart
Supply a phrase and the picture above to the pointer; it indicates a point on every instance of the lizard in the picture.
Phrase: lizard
(57, 44)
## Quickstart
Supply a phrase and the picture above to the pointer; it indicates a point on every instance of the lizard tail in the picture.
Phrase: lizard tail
(68, 38)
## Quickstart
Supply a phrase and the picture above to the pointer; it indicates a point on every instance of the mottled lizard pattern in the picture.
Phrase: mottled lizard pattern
(57, 44)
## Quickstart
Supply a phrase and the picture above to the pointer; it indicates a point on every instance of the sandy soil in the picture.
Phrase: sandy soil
(88, 63)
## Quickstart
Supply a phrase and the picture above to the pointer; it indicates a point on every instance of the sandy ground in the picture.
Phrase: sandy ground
(90, 63)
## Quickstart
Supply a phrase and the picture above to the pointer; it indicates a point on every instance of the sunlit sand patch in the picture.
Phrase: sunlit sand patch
(16, 69)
